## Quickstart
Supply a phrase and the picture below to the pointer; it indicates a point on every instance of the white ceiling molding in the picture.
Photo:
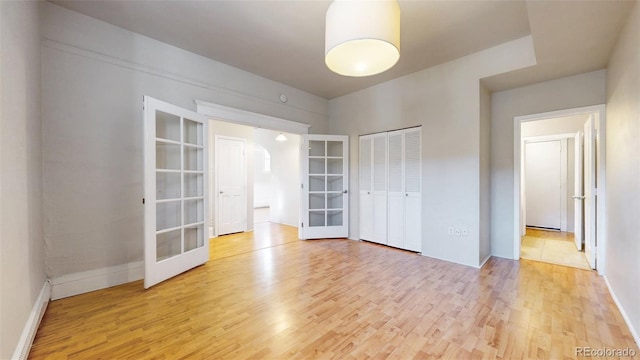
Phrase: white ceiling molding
(248, 118)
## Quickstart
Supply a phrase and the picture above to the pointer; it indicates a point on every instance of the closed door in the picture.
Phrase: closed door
(380, 188)
(366, 211)
(231, 183)
(404, 189)
(543, 184)
(396, 195)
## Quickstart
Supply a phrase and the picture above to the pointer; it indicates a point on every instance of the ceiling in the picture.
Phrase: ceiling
(284, 40)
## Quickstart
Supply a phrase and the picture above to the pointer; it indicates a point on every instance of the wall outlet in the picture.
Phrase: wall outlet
(457, 232)
(450, 231)
(465, 231)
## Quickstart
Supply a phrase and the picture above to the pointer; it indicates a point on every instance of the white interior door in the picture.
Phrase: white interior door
(325, 187)
(543, 184)
(396, 230)
(366, 212)
(578, 192)
(231, 185)
(413, 189)
(380, 188)
(175, 192)
(590, 191)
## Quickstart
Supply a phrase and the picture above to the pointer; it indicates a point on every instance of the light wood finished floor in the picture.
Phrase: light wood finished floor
(338, 299)
(555, 247)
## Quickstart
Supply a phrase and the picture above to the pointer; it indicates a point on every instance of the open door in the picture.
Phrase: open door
(578, 196)
(175, 191)
(325, 196)
(590, 191)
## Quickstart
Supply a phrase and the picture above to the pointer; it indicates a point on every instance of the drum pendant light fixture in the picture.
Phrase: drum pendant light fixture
(362, 37)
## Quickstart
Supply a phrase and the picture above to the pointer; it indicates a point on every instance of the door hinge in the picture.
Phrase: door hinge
(142, 201)
(302, 225)
(595, 192)
(301, 186)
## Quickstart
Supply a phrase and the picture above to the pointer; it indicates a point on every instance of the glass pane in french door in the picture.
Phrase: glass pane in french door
(326, 183)
(179, 185)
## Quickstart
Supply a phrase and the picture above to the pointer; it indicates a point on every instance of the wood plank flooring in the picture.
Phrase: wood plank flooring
(275, 297)
(554, 247)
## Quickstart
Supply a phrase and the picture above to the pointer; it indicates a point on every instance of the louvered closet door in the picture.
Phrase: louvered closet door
(396, 213)
(412, 189)
(366, 189)
(380, 188)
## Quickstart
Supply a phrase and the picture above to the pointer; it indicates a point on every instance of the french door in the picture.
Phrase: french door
(175, 190)
(325, 196)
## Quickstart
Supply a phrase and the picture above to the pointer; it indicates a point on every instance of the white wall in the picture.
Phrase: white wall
(445, 100)
(285, 175)
(623, 171)
(21, 249)
(569, 92)
(261, 178)
(94, 77)
(561, 125)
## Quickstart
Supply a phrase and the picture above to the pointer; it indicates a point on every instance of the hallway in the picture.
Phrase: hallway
(554, 247)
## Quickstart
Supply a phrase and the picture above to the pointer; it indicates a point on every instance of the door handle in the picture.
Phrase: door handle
(578, 197)
(344, 192)
(221, 192)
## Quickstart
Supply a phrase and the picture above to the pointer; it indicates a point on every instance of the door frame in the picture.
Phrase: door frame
(563, 174)
(598, 111)
(243, 117)
(216, 184)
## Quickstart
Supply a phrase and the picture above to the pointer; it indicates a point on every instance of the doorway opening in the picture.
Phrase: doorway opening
(254, 174)
(227, 117)
(559, 187)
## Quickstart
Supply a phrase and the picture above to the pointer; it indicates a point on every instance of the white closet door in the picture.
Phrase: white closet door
(366, 189)
(396, 215)
(412, 189)
(380, 188)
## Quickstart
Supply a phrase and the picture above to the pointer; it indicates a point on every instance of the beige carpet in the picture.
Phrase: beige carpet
(552, 251)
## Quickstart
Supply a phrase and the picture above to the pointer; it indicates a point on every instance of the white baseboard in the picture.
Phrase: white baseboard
(33, 321)
(484, 261)
(634, 333)
(86, 281)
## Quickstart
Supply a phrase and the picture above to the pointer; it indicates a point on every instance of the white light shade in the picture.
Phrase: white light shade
(281, 137)
(362, 37)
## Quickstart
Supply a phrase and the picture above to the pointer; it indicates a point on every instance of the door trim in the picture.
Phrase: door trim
(600, 115)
